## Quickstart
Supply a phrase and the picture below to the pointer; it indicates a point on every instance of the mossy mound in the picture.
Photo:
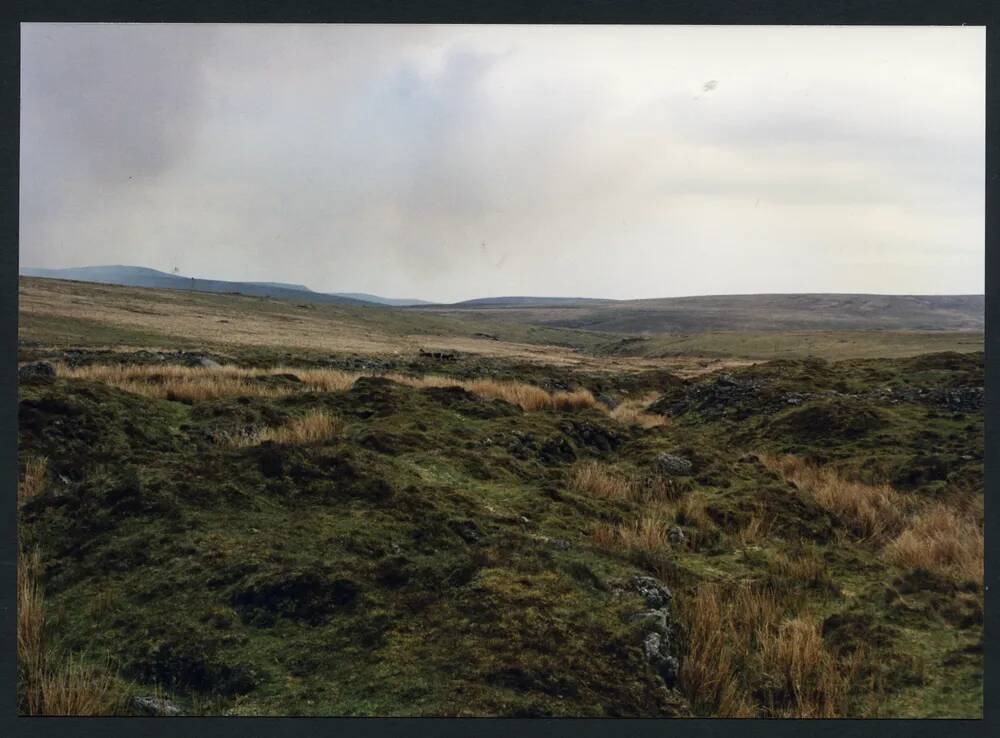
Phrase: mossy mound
(838, 418)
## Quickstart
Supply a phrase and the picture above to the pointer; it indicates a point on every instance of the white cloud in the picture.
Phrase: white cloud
(454, 162)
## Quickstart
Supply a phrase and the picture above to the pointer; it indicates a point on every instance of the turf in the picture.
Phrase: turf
(434, 559)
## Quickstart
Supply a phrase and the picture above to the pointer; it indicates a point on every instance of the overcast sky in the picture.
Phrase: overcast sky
(450, 162)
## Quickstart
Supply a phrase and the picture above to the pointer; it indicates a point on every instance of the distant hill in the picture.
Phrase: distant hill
(132, 276)
(393, 301)
(528, 302)
(789, 312)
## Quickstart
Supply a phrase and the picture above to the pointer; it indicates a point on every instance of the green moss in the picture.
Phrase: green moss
(433, 560)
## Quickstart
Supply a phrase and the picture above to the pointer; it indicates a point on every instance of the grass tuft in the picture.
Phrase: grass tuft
(745, 658)
(47, 684)
(633, 412)
(943, 541)
(316, 427)
(32, 481)
(872, 512)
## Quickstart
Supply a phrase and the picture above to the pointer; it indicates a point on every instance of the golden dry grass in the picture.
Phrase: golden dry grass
(174, 382)
(600, 480)
(754, 531)
(596, 479)
(314, 427)
(648, 533)
(48, 684)
(874, 512)
(804, 568)
(947, 540)
(691, 511)
(745, 658)
(943, 541)
(74, 688)
(30, 614)
(32, 481)
(633, 412)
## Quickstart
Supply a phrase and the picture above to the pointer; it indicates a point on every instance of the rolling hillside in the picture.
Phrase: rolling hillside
(792, 312)
(132, 276)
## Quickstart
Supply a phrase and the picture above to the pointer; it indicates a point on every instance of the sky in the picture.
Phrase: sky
(453, 162)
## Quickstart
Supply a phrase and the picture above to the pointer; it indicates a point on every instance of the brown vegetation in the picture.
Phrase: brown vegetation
(873, 512)
(315, 427)
(938, 538)
(600, 480)
(745, 658)
(32, 481)
(174, 382)
(48, 684)
(943, 541)
(633, 412)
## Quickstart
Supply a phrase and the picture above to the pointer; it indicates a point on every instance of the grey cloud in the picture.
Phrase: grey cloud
(588, 160)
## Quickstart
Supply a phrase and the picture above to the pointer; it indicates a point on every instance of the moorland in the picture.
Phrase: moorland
(254, 504)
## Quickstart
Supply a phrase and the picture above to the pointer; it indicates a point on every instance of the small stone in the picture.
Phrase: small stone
(659, 619)
(672, 464)
(157, 706)
(656, 649)
(655, 594)
(676, 535)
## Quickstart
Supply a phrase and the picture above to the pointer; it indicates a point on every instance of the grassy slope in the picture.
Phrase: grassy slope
(335, 579)
(66, 313)
(60, 312)
(343, 578)
(796, 312)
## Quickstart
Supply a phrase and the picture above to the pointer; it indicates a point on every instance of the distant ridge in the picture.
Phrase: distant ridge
(487, 302)
(393, 301)
(784, 312)
(668, 315)
(133, 276)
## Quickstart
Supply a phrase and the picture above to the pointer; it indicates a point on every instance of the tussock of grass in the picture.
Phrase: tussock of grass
(47, 684)
(32, 481)
(633, 412)
(755, 531)
(746, 659)
(874, 512)
(647, 534)
(315, 427)
(804, 568)
(600, 480)
(939, 538)
(30, 614)
(943, 541)
(173, 382)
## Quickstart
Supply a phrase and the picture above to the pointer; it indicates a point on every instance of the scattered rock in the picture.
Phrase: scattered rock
(156, 706)
(655, 594)
(36, 369)
(656, 648)
(672, 464)
(657, 618)
(676, 536)
(439, 355)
